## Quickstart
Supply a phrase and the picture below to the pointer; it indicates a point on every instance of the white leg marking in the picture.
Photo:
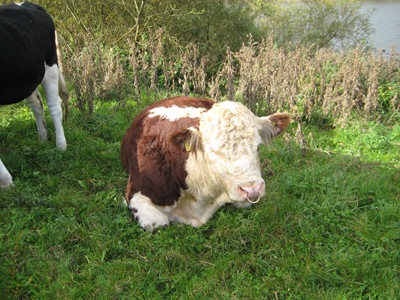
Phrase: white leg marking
(50, 85)
(36, 104)
(5, 176)
(146, 213)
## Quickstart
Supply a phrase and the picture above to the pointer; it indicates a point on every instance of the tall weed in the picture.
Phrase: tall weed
(310, 84)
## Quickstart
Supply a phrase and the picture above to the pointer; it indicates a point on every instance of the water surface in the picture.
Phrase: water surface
(385, 19)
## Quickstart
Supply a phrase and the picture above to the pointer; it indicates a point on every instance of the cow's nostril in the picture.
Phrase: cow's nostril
(252, 193)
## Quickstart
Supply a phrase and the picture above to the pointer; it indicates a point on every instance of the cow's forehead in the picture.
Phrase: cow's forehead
(226, 115)
(230, 122)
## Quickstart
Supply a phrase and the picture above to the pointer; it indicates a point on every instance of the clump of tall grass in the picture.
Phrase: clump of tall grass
(96, 73)
(309, 83)
(306, 82)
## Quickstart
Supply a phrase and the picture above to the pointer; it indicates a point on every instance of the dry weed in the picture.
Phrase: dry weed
(304, 82)
(96, 73)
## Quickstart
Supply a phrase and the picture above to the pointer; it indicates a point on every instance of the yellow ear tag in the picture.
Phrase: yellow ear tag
(188, 147)
(273, 122)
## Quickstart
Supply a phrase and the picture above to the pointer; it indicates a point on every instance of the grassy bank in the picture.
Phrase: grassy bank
(328, 228)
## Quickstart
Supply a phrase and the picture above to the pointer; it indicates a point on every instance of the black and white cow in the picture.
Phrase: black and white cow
(28, 57)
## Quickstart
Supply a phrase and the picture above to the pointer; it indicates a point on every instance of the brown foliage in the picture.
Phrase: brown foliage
(263, 76)
(96, 73)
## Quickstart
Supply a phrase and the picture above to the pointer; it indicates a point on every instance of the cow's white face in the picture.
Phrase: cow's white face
(229, 137)
(230, 140)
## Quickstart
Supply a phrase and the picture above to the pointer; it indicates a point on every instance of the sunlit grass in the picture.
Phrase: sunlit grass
(328, 228)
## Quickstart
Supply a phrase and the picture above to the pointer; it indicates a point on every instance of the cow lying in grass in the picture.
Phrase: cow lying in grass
(28, 57)
(187, 156)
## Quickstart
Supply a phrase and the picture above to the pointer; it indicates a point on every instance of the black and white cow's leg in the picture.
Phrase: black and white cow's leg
(36, 104)
(146, 213)
(50, 85)
(5, 176)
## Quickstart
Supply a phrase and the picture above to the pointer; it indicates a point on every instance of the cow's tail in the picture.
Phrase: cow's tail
(62, 87)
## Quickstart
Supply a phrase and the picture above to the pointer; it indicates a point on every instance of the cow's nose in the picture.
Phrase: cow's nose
(252, 192)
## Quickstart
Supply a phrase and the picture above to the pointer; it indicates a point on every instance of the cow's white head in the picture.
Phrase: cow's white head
(226, 150)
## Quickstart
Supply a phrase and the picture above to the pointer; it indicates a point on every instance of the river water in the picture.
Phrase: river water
(385, 19)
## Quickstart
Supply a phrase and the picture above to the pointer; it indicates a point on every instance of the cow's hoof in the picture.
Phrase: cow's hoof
(62, 145)
(150, 219)
(6, 184)
(155, 225)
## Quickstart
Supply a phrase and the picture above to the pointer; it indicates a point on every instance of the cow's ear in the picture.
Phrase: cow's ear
(273, 125)
(186, 139)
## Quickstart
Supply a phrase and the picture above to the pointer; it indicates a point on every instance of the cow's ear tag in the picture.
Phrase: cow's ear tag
(188, 146)
(273, 122)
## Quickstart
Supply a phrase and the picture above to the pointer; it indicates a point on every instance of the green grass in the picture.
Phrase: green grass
(329, 227)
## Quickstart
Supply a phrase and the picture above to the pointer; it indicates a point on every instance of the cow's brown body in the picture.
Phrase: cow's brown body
(149, 151)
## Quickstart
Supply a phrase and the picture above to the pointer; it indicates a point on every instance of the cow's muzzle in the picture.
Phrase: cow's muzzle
(252, 192)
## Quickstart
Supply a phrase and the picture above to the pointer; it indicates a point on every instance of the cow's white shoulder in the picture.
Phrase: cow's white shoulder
(174, 112)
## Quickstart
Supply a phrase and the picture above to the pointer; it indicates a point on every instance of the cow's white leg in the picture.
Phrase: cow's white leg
(36, 104)
(5, 176)
(50, 85)
(146, 213)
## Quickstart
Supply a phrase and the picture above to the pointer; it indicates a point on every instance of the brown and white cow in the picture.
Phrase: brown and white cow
(187, 156)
